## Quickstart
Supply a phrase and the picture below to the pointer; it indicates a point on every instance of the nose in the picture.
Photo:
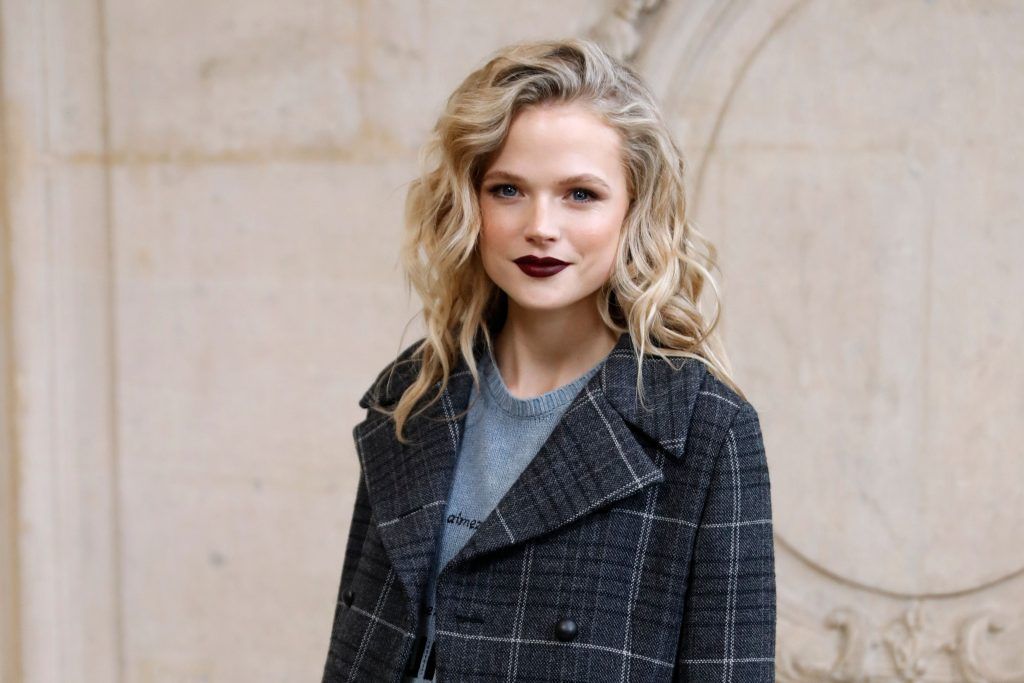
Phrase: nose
(541, 222)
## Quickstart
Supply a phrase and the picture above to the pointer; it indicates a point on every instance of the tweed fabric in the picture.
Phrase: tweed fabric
(635, 546)
(500, 436)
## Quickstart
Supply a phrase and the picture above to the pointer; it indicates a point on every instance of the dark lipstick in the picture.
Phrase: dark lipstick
(535, 266)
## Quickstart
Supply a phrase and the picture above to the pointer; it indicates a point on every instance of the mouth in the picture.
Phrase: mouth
(536, 266)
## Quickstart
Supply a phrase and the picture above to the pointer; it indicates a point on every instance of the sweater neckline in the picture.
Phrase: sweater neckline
(534, 406)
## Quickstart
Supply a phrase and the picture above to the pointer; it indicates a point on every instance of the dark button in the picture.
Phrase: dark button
(565, 629)
(349, 597)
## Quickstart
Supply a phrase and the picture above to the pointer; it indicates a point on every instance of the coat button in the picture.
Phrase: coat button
(349, 597)
(565, 629)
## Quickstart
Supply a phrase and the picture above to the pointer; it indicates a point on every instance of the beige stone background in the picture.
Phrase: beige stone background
(201, 204)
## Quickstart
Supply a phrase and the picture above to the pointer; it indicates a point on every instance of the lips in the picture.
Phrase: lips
(536, 266)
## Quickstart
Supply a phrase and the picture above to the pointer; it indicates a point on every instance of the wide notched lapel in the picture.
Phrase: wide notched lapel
(408, 484)
(591, 459)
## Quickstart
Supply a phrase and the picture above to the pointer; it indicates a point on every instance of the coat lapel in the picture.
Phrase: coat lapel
(408, 484)
(594, 456)
(590, 460)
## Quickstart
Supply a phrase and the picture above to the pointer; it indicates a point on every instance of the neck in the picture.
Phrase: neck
(538, 351)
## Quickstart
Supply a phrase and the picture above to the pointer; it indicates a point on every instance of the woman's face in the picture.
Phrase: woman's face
(557, 189)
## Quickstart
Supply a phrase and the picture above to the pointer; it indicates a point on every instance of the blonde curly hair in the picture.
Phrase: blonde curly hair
(662, 263)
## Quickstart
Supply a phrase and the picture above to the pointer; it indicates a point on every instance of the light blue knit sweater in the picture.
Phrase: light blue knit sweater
(502, 435)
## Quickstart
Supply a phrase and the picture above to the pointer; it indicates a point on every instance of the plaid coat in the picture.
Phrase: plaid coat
(635, 546)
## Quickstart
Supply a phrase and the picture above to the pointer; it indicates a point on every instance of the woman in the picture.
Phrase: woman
(535, 503)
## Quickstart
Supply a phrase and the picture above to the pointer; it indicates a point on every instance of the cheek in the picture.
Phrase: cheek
(487, 237)
(488, 219)
(497, 228)
(602, 238)
(601, 244)
(493, 239)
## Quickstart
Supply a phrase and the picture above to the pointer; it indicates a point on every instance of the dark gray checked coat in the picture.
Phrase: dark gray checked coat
(636, 546)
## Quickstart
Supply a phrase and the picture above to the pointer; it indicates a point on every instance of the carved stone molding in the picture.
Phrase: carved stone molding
(617, 31)
(912, 645)
(849, 662)
(964, 650)
(63, 433)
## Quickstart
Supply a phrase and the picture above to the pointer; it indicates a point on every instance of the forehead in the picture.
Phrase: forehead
(559, 138)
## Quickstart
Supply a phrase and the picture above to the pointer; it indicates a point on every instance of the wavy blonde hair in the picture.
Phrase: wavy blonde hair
(662, 263)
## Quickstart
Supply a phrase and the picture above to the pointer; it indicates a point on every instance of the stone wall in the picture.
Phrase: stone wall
(201, 206)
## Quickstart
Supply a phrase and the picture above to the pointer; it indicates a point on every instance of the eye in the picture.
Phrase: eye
(587, 195)
(496, 190)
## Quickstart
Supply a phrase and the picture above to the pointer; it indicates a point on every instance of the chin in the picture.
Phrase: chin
(534, 303)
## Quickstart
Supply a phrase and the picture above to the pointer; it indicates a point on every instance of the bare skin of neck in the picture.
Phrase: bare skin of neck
(538, 351)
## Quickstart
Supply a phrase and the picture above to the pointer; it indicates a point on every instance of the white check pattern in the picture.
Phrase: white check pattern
(650, 531)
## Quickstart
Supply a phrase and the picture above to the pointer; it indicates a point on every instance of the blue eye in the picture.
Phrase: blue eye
(579, 194)
(496, 190)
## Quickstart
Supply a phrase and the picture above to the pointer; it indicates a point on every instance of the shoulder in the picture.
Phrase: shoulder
(691, 389)
(718, 401)
(730, 422)
(715, 408)
(684, 405)
(394, 377)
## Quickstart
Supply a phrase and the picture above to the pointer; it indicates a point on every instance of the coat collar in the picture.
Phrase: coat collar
(606, 447)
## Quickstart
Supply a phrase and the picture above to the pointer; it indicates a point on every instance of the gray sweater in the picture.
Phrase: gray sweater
(502, 435)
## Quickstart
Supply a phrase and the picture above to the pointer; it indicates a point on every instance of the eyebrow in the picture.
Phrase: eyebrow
(571, 180)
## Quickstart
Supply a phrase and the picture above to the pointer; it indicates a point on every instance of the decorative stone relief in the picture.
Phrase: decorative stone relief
(912, 645)
(617, 31)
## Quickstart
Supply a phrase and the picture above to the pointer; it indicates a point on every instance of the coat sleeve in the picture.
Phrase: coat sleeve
(356, 535)
(353, 548)
(359, 524)
(728, 631)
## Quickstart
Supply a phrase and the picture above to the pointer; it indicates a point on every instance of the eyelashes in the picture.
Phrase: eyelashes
(495, 190)
(588, 196)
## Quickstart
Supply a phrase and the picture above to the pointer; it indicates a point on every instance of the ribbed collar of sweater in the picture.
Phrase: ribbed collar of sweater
(498, 393)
